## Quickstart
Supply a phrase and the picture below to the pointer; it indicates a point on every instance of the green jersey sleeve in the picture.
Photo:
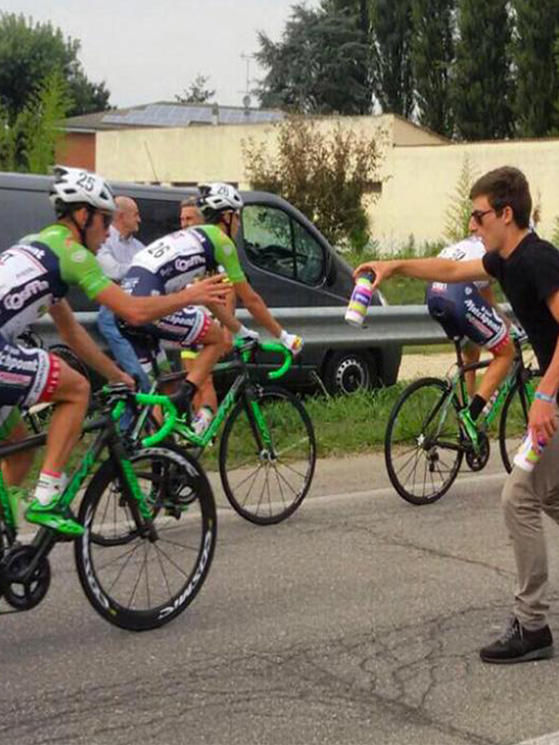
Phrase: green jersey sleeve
(225, 253)
(78, 266)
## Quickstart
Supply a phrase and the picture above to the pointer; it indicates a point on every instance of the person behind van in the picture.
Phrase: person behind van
(34, 279)
(190, 214)
(115, 256)
(466, 310)
(181, 258)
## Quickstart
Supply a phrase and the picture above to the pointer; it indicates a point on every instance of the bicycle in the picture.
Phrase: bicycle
(425, 441)
(267, 452)
(149, 519)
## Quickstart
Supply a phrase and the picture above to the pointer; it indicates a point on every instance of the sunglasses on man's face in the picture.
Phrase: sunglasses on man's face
(478, 215)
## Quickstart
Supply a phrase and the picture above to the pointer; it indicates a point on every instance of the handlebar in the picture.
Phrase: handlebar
(119, 394)
(248, 348)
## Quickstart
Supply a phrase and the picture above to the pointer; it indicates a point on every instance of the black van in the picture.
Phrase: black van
(284, 256)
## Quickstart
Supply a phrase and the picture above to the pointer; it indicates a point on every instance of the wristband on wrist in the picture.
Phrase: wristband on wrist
(544, 397)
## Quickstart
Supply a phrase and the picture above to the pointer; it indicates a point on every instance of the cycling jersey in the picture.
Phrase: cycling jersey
(169, 265)
(34, 275)
(177, 259)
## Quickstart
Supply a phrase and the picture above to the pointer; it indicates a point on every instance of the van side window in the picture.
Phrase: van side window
(309, 256)
(277, 243)
(158, 218)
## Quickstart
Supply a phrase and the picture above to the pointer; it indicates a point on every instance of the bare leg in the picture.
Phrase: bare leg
(497, 371)
(71, 398)
(471, 354)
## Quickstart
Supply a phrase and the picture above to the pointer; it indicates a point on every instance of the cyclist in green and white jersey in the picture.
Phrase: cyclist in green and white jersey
(35, 277)
(180, 258)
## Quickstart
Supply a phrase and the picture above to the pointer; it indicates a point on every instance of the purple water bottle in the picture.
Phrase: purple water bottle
(360, 299)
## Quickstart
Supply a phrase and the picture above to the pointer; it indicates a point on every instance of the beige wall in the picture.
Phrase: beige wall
(420, 170)
(423, 180)
(193, 154)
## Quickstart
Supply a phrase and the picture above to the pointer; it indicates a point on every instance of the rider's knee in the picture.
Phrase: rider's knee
(504, 351)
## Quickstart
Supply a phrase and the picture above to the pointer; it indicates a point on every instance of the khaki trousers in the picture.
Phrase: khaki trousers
(524, 497)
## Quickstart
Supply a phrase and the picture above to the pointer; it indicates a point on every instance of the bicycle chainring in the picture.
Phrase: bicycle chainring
(20, 594)
(478, 460)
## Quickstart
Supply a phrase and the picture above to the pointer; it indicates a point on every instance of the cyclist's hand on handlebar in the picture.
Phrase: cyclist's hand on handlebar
(244, 334)
(211, 290)
(292, 342)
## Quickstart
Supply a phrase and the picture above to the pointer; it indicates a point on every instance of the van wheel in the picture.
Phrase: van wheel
(350, 371)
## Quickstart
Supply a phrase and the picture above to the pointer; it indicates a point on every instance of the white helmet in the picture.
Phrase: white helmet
(76, 186)
(217, 198)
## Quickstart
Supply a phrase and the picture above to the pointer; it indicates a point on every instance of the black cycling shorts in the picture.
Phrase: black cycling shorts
(462, 312)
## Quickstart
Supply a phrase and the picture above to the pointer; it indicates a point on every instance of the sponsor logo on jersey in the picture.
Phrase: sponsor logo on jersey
(17, 300)
(184, 265)
(10, 378)
(79, 256)
(38, 253)
(10, 363)
(485, 318)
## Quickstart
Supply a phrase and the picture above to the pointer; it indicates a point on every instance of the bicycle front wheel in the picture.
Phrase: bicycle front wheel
(514, 421)
(422, 445)
(133, 579)
(267, 456)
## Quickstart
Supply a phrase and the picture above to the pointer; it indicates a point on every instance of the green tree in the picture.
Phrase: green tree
(41, 123)
(537, 76)
(197, 91)
(321, 64)
(482, 79)
(29, 52)
(457, 224)
(432, 55)
(391, 35)
(327, 177)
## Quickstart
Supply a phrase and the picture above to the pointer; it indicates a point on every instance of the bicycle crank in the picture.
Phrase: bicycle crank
(19, 590)
(477, 460)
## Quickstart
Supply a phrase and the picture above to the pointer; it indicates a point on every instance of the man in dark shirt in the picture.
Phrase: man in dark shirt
(528, 270)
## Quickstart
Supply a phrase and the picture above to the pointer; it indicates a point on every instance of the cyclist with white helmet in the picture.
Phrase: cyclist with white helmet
(35, 276)
(179, 259)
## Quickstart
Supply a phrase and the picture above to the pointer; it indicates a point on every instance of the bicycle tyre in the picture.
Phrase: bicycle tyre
(513, 423)
(184, 490)
(425, 405)
(286, 419)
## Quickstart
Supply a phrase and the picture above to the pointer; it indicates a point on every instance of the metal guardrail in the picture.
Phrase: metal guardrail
(386, 325)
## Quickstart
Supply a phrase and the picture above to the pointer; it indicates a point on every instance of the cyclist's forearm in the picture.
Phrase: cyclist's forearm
(87, 350)
(259, 311)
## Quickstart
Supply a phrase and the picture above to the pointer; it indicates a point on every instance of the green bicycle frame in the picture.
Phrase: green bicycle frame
(179, 423)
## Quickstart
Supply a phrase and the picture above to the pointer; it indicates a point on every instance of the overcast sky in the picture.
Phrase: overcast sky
(149, 50)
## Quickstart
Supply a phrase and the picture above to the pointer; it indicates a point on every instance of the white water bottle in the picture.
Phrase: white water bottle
(528, 454)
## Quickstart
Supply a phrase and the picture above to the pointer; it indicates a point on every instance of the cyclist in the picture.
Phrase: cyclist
(467, 310)
(180, 258)
(34, 279)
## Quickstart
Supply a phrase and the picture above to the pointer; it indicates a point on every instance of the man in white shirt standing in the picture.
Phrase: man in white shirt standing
(115, 257)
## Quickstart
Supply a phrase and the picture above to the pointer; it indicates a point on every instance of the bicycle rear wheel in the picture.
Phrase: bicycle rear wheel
(133, 581)
(514, 421)
(422, 445)
(265, 482)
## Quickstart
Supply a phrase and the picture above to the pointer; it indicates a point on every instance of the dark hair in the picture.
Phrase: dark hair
(506, 187)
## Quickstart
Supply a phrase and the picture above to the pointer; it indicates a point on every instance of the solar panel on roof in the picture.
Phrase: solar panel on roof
(174, 115)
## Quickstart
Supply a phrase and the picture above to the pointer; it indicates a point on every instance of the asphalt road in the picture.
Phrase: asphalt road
(356, 621)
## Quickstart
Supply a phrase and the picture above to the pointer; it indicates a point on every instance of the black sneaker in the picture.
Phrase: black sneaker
(519, 645)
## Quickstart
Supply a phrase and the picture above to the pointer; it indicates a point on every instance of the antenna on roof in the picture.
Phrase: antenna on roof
(246, 98)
